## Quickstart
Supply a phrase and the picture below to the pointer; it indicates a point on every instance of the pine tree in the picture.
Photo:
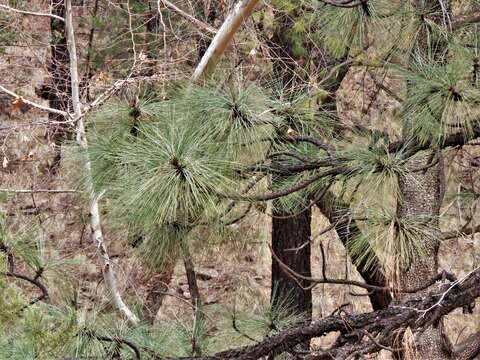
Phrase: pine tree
(188, 157)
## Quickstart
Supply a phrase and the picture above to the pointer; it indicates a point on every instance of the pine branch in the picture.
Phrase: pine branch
(119, 341)
(34, 281)
(456, 139)
(297, 187)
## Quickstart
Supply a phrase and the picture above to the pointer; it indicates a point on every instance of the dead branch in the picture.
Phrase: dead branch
(31, 13)
(95, 221)
(384, 323)
(465, 230)
(296, 276)
(32, 191)
(189, 17)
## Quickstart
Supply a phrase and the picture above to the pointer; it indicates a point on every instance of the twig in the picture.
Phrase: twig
(33, 104)
(235, 326)
(444, 294)
(117, 340)
(35, 281)
(315, 281)
(32, 191)
(32, 13)
(189, 17)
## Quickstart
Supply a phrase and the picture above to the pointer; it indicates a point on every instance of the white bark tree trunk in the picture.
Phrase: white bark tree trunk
(95, 221)
(222, 39)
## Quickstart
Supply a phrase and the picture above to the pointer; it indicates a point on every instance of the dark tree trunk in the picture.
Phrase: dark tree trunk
(289, 231)
(287, 234)
(57, 88)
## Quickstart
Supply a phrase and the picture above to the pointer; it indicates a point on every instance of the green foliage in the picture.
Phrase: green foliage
(166, 164)
(441, 99)
(344, 29)
(374, 171)
(397, 242)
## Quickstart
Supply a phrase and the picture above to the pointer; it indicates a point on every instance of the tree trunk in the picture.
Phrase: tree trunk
(157, 285)
(422, 197)
(57, 88)
(289, 233)
(421, 201)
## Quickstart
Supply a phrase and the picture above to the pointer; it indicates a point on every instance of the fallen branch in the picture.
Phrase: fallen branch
(381, 322)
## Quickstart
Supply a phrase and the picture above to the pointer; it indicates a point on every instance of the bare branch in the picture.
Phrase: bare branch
(33, 191)
(33, 104)
(465, 21)
(31, 13)
(189, 17)
(458, 233)
(325, 280)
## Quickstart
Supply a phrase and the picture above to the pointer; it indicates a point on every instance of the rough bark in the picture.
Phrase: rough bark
(287, 234)
(57, 88)
(289, 231)
(421, 202)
